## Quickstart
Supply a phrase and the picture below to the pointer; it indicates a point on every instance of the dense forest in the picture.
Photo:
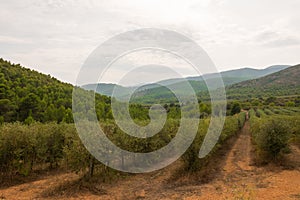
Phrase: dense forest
(27, 95)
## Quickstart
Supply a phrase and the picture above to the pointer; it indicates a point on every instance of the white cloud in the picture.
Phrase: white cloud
(55, 36)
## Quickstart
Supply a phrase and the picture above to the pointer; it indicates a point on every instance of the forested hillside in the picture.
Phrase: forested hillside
(285, 82)
(27, 95)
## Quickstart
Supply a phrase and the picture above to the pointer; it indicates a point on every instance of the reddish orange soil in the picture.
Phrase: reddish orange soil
(242, 180)
(238, 178)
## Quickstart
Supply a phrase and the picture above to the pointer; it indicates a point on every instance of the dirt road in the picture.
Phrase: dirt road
(241, 179)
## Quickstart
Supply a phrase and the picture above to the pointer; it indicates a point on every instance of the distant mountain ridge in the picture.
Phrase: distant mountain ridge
(245, 72)
(155, 91)
(108, 88)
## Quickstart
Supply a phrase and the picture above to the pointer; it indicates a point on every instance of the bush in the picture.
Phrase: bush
(236, 108)
(23, 147)
(241, 119)
(1, 120)
(252, 113)
(260, 113)
(273, 138)
(190, 158)
(268, 111)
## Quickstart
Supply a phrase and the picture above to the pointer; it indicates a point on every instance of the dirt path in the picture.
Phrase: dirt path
(242, 180)
(32, 189)
(236, 179)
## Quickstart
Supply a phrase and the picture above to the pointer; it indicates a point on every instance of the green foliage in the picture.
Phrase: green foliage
(23, 146)
(29, 95)
(282, 83)
(236, 108)
(77, 158)
(190, 157)
(272, 133)
(260, 113)
(241, 119)
(156, 93)
(268, 111)
(7, 110)
(270, 100)
(29, 120)
(273, 138)
(232, 125)
(1, 120)
(290, 104)
(251, 113)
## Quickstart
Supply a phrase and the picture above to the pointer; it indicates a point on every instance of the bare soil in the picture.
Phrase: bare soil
(232, 175)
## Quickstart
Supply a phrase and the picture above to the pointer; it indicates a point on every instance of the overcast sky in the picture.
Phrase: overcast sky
(56, 36)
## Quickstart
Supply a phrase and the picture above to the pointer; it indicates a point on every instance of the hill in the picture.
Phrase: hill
(28, 94)
(243, 73)
(285, 82)
(157, 92)
(163, 94)
(108, 88)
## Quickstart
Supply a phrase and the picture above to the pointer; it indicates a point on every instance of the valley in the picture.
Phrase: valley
(257, 155)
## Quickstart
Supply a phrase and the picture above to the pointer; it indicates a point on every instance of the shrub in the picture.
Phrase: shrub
(241, 119)
(268, 111)
(290, 104)
(260, 113)
(23, 147)
(273, 138)
(236, 108)
(1, 120)
(190, 158)
(251, 113)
